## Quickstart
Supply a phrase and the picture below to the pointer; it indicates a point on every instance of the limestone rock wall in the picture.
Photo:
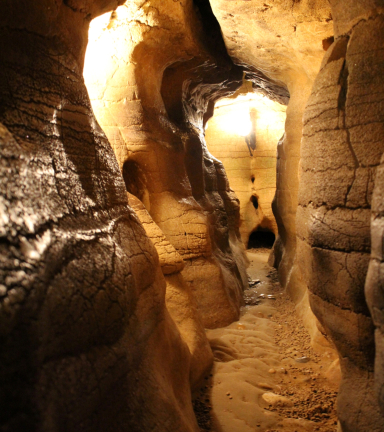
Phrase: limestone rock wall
(374, 282)
(101, 328)
(251, 174)
(324, 227)
(157, 85)
(341, 149)
(87, 343)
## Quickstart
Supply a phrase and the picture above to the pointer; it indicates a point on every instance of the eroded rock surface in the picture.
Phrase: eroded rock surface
(281, 47)
(159, 79)
(180, 300)
(341, 149)
(87, 343)
(251, 171)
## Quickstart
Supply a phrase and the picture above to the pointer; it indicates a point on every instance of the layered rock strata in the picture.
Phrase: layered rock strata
(251, 171)
(341, 150)
(179, 299)
(157, 86)
(87, 343)
(283, 42)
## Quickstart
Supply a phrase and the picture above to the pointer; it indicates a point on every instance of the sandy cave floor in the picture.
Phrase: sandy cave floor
(266, 376)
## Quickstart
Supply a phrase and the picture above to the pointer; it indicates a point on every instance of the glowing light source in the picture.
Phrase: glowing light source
(98, 66)
(237, 122)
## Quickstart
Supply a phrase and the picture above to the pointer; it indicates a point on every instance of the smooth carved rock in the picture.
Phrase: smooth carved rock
(180, 301)
(280, 39)
(155, 121)
(280, 46)
(169, 258)
(184, 310)
(87, 342)
(274, 39)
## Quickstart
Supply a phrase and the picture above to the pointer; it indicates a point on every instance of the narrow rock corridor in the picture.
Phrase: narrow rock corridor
(266, 376)
(144, 146)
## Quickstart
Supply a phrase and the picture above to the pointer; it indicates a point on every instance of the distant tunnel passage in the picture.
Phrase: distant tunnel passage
(261, 238)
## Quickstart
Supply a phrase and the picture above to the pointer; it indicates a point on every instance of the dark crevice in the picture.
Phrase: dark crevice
(343, 82)
(213, 36)
(68, 4)
(339, 50)
(261, 238)
(255, 201)
(327, 42)
(134, 179)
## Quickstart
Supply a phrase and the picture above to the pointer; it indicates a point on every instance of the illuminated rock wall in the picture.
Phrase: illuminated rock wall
(179, 298)
(102, 329)
(280, 46)
(252, 175)
(157, 80)
(87, 343)
(342, 147)
(340, 151)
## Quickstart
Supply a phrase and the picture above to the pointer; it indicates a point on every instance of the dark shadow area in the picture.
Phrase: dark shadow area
(255, 201)
(212, 31)
(261, 238)
(328, 42)
(134, 179)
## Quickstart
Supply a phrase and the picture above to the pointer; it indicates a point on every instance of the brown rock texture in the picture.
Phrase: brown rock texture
(341, 149)
(281, 47)
(251, 172)
(374, 282)
(158, 80)
(280, 42)
(104, 299)
(179, 298)
(87, 343)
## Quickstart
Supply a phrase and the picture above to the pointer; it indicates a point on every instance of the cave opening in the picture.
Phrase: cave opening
(261, 238)
(243, 134)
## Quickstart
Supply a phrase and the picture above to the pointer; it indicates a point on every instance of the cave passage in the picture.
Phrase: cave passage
(142, 146)
(261, 238)
(231, 137)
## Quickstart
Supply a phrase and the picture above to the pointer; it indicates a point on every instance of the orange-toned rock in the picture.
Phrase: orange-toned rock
(150, 98)
(87, 343)
(179, 298)
(281, 47)
(340, 152)
(251, 172)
